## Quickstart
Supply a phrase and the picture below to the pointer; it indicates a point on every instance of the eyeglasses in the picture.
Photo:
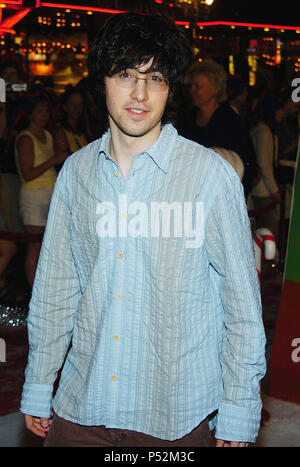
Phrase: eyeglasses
(154, 82)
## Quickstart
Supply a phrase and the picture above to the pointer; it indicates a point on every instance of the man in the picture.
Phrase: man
(146, 284)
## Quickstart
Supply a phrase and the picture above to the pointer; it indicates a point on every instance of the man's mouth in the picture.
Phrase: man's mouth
(136, 113)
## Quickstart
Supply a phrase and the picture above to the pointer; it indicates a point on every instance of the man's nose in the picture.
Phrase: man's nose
(140, 90)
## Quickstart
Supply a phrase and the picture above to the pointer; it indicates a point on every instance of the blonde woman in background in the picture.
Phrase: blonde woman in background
(212, 122)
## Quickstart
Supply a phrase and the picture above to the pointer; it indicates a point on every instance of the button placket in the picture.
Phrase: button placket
(126, 187)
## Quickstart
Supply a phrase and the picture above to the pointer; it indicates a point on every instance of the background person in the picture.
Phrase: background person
(71, 131)
(11, 70)
(212, 122)
(35, 158)
(266, 193)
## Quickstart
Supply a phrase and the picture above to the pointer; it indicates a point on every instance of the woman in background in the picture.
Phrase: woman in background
(266, 194)
(35, 159)
(212, 122)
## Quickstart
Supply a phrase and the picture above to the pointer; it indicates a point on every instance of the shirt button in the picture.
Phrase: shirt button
(116, 337)
(119, 297)
(120, 256)
(123, 215)
(114, 378)
(117, 173)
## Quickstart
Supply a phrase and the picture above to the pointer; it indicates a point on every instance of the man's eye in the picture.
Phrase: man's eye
(158, 79)
(124, 75)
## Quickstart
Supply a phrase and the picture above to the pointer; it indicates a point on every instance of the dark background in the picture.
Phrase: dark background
(263, 11)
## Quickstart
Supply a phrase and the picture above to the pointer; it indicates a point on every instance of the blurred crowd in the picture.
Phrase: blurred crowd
(254, 128)
(39, 129)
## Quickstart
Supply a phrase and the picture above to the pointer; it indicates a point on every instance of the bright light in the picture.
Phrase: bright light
(209, 2)
(255, 25)
(80, 7)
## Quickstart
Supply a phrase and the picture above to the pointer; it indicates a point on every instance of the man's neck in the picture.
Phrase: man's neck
(123, 147)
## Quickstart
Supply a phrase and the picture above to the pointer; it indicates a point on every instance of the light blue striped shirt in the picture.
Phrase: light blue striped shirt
(161, 326)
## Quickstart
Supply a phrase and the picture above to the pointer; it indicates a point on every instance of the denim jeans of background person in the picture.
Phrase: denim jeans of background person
(164, 332)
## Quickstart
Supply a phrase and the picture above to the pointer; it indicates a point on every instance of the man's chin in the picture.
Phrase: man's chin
(138, 131)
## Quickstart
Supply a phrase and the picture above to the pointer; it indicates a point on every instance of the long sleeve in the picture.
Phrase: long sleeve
(55, 297)
(230, 249)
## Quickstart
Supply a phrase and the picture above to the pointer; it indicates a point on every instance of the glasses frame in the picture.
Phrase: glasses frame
(136, 78)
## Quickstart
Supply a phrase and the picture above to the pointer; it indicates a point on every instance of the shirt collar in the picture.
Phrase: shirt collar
(160, 151)
(104, 144)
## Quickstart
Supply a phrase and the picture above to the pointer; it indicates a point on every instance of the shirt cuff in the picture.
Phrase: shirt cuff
(36, 400)
(236, 423)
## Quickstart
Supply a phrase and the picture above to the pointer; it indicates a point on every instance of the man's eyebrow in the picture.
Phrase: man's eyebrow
(145, 72)
(149, 70)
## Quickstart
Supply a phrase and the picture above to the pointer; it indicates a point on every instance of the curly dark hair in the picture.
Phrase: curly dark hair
(129, 40)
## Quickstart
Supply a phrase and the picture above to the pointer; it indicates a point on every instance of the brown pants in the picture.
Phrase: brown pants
(67, 434)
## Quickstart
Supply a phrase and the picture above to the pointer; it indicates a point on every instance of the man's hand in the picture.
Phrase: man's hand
(38, 426)
(230, 444)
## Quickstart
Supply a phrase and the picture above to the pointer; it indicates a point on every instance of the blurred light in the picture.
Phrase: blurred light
(255, 25)
(231, 65)
(252, 62)
(14, 19)
(69, 7)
